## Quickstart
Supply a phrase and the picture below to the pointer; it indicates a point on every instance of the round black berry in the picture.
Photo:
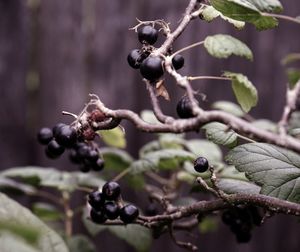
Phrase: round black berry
(243, 237)
(228, 217)
(201, 164)
(178, 61)
(135, 58)
(148, 34)
(99, 165)
(151, 210)
(255, 215)
(66, 136)
(84, 168)
(74, 157)
(92, 156)
(111, 190)
(96, 200)
(83, 151)
(184, 108)
(54, 149)
(97, 216)
(129, 213)
(111, 210)
(152, 68)
(44, 136)
(57, 127)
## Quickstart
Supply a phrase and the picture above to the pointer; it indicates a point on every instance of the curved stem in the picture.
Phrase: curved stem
(187, 48)
(121, 174)
(208, 78)
(284, 17)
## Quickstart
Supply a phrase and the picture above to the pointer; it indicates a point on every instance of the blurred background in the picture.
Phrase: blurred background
(54, 53)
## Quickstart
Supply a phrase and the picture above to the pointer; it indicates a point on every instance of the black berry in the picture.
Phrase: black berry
(243, 237)
(57, 127)
(228, 217)
(111, 190)
(151, 210)
(84, 168)
(83, 151)
(184, 108)
(96, 200)
(201, 164)
(152, 68)
(97, 216)
(54, 149)
(135, 58)
(92, 156)
(66, 136)
(148, 34)
(178, 61)
(111, 210)
(129, 213)
(74, 157)
(99, 165)
(44, 136)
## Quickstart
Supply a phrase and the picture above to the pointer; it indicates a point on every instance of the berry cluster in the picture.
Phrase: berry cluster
(151, 67)
(62, 137)
(241, 220)
(201, 164)
(105, 205)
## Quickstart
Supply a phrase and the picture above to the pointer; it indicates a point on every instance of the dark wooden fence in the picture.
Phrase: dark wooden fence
(53, 53)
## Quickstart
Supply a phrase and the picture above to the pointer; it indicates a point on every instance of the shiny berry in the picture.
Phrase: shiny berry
(84, 168)
(54, 148)
(97, 216)
(184, 108)
(92, 156)
(111, 210)
(201, 164)
(243, 237)
(129, 213)
(44, 136)
(83, 151)
(66, 136)
(75, 159)
(178, 61)
(135, 58)
(99, 165)
(57, 127)
(148, 34)
(96, 200)
(111, 190)
(152, 68)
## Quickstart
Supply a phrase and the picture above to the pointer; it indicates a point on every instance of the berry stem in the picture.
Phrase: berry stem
(187, 48)
(208, 78)
(68, 214)
(283, 17)
(121, 174)
(246, 138)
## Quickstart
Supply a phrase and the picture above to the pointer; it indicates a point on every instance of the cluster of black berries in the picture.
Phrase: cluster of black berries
(241, 220)
(151, 67)
(201, 164)
(62, 137)
(105, 207)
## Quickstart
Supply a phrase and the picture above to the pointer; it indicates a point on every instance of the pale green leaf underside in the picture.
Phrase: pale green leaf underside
(13, 212)
(219, 133)
(275, 169)
(223, 46)
(229, 107)
(244, 91)
(246, 11)
(232, 186)
(114, 137)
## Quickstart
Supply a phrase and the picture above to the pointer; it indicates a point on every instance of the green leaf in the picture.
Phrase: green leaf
(265, 125)
(186, 177)
(149, 117)
(219, 133)
(149, 147)
(210, 13)
(232, 186)
(245, 92)
(229, 107)
(6, 183)
(14, 213)
(171, 141)
(208, 225)
(141, 166)
(275, 169)
(114, 137)
(206, 149)
(272, 6)
(46, 211)
(246, 11)
(12, 243)
(293, 76)
(140, 238)
(116, 159)
(81, 243)
(223, 46)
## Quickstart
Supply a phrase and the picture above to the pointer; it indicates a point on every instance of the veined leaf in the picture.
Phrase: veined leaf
(229, 107)
(275, 169)
(114, 137)
(219, 133)
(245, 92)
(223, 46)
(232, 186)
(116, 159)
(247, 11)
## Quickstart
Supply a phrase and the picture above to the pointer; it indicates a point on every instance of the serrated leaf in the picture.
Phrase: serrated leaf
(116, 159)
(219, 133)
(137, 236)
(244, 10)
(271, 6)
(206, 149)
(210, 13)
(13, 212)
(244, 91)
(232, 186)
(114, 137)
(81, 243)
(223, 46)
(229, 107)
(275, 169)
